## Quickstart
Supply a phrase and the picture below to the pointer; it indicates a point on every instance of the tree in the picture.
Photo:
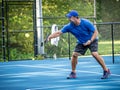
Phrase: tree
(108, 10)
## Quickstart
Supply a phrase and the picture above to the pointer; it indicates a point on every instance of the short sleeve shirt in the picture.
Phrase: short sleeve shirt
(82, 32)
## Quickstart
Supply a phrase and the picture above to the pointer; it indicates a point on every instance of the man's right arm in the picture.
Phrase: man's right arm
(58, 33)
(54, 35)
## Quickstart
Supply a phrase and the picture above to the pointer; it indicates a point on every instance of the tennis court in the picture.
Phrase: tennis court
(51, 75)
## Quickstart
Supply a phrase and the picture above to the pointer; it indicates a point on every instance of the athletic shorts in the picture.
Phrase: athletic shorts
(93, 47)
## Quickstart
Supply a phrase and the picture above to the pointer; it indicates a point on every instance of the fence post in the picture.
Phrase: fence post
(35, 29)
(112, 33)
(3, 33)
(69, 45)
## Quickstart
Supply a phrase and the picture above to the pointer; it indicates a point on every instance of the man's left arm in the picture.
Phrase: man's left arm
(95, 34)
(92, 38)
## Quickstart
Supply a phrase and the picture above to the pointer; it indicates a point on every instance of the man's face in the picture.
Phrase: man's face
(72, 19)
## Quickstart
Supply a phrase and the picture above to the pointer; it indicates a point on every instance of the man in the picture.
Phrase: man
(86, 36)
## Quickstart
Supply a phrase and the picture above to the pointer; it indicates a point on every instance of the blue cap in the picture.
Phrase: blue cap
(72, 13)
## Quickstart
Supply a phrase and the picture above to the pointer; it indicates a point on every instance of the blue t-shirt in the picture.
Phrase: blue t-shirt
(82, 32)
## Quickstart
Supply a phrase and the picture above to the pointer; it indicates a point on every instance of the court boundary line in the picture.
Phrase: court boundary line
(56, 68)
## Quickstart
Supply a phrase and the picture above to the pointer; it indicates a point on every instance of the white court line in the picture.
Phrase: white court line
(58, 69)
(51, 67)
(81, 85)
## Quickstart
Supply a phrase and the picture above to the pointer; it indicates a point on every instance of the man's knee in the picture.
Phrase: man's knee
(95, 54)
(75, 55)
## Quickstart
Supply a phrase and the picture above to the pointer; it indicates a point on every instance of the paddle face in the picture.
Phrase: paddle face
(54, 41)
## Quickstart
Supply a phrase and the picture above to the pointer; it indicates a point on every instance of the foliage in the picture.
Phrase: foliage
(19, 21)
(108, 10)
(38, 57)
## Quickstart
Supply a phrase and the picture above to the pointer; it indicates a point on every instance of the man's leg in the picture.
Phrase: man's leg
(74, 61)
(100, 60)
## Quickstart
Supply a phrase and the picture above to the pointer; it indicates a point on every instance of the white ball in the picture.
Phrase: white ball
(27, 35)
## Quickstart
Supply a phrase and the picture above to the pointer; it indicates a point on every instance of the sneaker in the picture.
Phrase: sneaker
(106, 74)
(72, 75)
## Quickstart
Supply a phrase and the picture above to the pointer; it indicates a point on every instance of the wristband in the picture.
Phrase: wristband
(91, 40)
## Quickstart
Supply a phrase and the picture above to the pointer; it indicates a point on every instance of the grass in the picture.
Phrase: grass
(105, 47)
(109, 42)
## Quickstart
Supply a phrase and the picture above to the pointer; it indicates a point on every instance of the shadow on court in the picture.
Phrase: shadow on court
(51, 75)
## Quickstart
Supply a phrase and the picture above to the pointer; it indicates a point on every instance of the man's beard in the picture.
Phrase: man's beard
(72, 21)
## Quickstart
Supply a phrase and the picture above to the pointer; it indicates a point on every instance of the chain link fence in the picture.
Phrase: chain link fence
(21, 37)
(108, 36)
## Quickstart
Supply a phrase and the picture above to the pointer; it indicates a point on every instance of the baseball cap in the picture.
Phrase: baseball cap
(72, 13)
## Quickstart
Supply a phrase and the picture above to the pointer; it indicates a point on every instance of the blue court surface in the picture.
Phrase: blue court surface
(51, 75)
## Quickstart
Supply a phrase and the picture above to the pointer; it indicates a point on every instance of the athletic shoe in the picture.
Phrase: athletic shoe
(72, 75)
(106, 74)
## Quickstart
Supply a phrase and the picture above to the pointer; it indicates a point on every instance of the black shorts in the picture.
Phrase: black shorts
(93, 47)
